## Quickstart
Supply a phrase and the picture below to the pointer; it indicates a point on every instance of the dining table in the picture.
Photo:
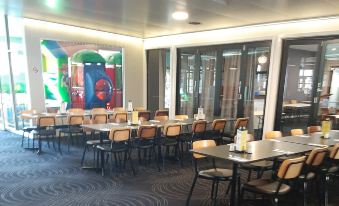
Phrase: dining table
(256, 151)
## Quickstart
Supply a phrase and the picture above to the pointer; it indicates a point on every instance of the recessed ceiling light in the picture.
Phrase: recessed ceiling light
(51, 3)
(333, 49)
(180, 15)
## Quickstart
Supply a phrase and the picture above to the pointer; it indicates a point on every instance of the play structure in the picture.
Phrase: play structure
(84, 79)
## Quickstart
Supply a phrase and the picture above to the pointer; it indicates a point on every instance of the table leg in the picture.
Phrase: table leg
(39, 143)
(233, 198)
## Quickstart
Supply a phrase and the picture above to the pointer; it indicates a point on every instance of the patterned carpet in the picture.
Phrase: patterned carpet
(54, 179)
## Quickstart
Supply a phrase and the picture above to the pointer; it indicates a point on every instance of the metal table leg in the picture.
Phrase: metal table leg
(233, 199)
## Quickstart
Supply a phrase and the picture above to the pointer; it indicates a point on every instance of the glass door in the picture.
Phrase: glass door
(197, 81)
(298, 85)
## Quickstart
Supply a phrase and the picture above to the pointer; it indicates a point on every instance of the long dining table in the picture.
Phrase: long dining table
(257, 151)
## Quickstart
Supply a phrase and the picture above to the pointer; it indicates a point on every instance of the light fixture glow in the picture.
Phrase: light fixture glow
(333, 49)
(180, 15)
(51, 3)
(262, 59)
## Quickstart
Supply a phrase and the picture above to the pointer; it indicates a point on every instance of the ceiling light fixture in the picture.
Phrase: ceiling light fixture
(333, 49)
(180, 15)
(51, 3)
(262, 59)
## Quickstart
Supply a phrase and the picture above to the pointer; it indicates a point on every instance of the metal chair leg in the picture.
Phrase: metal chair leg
(191, 190)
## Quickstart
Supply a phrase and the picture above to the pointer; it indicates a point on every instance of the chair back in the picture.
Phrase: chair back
(161, 113)
(119, 134)
(119, 109)
(241, 122)
(46, 121)
(147, 132)
(75, 119)
(313, 129)
(219, 125)
(77, 111)
(199, 126)
(120, 117)
(316, 157)
(161, 118)
(99, 118)
(295, 132)
(144, 115)
(181, 117)
(139, 108)
(291, 168)
(335, 152)
(273, 134)
(98, 111)
(172, 130)
(202, 144)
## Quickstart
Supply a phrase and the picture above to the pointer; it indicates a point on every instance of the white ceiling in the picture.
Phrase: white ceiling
(150, 18)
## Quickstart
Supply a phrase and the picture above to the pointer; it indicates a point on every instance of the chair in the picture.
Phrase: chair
(144, 115)
(217, 131)
(99, 118)
(139, 108)
(24, 116)
(161, 118)
(161, 113)
(313, 129)
(289, 170)
(120, 117)
(73, 127)
(260, 167)
(170, 137)
(214, 174)
(119, 145)
(331, 170)
(312, 169)
(98, 111)
(181, 117)
(273, 134)
(145, 141)
(45, 129)
(119, 109)
(295, 132)
(77, 111)
(241, 122)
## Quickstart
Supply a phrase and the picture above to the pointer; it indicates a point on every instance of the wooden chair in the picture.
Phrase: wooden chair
(259, 167)
(181, 117)
(120, 117)
(213, 174)
(312, 170)
(45, 129)
(295, 132)
(161, 113)
(73, 128)
(313, 129)
(119, 109)
(139, 108)
(145, 142)
(217, 130)
(24, 116)
(98, 111)
(240, 122)
(169, 140)
(273, 134)
(332, 170)
(76, 111)
(161, 118)
(144, 115)
(119, 148)
(99, 118)
(289, 170)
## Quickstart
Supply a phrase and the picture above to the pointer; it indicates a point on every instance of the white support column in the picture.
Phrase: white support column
(273, 84)
(173, 72)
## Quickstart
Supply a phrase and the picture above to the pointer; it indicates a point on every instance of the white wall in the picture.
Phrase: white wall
(275, 32)
(133, 59)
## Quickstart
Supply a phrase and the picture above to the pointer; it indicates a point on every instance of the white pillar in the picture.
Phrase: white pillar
(173, 72)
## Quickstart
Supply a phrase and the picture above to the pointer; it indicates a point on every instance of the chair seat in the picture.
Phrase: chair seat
(258, 165)
(218, 173)
(308, 176)
(168, 141)
(143, 144)
(114, 148)
(266, 186)
(97, 142)
(333, 169)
